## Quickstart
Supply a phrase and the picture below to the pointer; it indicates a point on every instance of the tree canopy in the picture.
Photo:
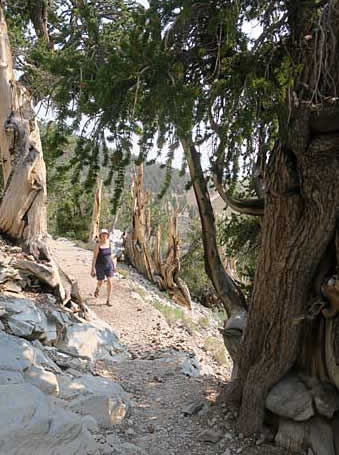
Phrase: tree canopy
(175, 69)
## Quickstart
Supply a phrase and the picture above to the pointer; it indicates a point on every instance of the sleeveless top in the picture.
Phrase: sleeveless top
(104, 257)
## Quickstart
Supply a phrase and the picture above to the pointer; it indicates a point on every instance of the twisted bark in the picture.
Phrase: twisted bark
(148, 261)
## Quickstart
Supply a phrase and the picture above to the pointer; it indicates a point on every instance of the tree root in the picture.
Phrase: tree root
(65, 287)
(232, 393)
(330, 290)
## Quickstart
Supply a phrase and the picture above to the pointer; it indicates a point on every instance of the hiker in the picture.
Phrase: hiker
(103, 264)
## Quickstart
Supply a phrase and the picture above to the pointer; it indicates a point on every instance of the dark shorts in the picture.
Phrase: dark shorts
(102, 272)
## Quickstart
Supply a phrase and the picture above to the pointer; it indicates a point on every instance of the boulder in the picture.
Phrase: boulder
(179, 362)
(326, 399)
(23, 317)
(291, 399)
(117, 244)
(291, 435)
(20, 361)
(315, 434)
(93, 340)
(66, 361)
(104, 400)
(26, 319)
(46, 381)
(321, 437)
(31, 424)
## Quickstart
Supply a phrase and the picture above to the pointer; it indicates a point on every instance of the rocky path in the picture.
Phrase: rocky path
(174, 410)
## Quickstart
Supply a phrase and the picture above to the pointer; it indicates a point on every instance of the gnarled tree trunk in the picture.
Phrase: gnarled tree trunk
(94, 231)
(296, 234)
(138, 246)
(299, 235)
(23, 205)
(225, 287)
(288, 326)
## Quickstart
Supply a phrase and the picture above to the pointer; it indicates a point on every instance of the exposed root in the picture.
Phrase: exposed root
(330, 290)
(232, 393)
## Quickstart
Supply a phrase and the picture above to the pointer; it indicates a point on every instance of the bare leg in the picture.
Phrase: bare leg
(109, 290)
(99, 284)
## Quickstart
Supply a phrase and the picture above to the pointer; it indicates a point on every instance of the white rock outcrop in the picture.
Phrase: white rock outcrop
(93, 340)
(104, 400)
(31, 424)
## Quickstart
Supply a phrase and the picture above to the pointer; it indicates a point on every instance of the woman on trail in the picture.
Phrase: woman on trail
(103, 264)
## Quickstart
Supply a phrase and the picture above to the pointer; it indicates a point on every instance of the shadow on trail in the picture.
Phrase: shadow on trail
(170, 408)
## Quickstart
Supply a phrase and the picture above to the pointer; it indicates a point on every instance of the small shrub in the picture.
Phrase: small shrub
(173, 315)
(204, 322)
(142, 292)
(216, 348)
(123, 272)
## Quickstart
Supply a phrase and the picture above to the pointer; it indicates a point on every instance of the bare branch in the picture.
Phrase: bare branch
(253, 207)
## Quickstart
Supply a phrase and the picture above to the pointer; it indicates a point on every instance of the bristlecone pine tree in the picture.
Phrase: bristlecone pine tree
(23, 215)
(23, 205)
(187, 64)
(144, 248)
(300, 225)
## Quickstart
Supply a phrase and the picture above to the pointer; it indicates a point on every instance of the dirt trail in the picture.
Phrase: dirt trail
(160, 422)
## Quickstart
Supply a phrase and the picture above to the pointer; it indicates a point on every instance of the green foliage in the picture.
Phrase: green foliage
(192, 265)
(71, 193)
(179, 69)
(239, 237)
(216, 348)
(174, 314)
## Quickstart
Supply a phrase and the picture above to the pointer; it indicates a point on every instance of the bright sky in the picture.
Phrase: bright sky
(144, 3)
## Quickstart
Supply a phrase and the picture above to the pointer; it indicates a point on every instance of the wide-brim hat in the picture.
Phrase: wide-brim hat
(103, 231)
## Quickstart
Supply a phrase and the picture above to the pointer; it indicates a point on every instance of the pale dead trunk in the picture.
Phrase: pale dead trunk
(23, 206)
(146, 259)
(135, 241)
(94, 232)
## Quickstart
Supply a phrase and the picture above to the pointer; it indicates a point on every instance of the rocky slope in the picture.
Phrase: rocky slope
(141, 377)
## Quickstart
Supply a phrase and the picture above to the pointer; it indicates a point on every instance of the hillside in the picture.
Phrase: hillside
(217, 202)
(59, 155)
(154, 179)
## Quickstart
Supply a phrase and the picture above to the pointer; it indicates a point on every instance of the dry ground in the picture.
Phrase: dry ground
(159, 392)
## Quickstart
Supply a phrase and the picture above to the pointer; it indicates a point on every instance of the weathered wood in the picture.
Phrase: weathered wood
(287, 266)
(135, 241)
(226, 289)
(94, 231)
(23, 206)
(148, 260)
